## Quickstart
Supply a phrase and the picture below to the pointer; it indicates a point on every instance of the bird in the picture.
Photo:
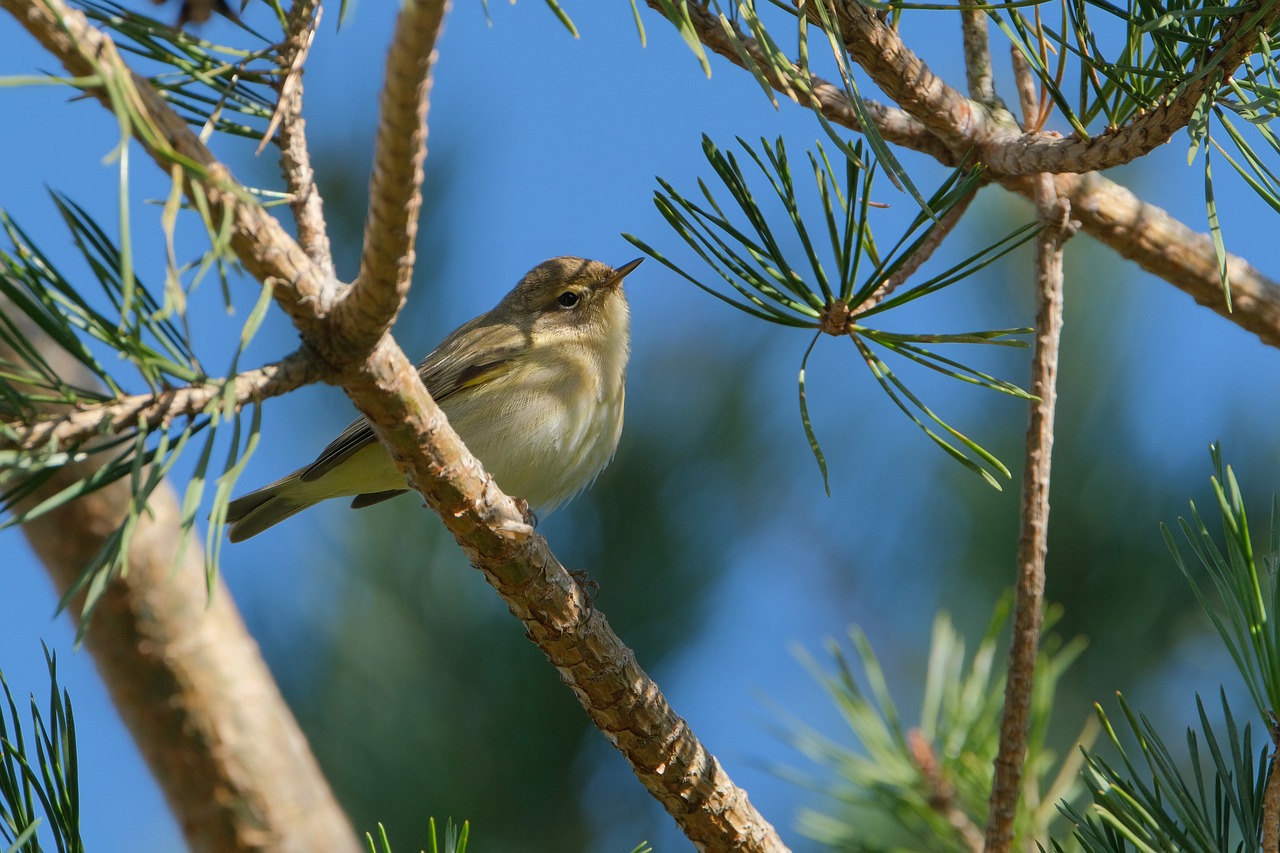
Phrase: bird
(535, 387)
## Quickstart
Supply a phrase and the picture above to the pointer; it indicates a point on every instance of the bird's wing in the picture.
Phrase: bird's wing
(444, 373)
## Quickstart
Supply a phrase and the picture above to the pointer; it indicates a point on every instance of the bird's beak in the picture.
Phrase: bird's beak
(621, 272)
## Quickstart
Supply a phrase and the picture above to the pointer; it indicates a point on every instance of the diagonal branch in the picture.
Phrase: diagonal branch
(621, 699)
(66, 429)
(894, 124)
(1164, 246)
(258, 239)
(1107, 211)
(618, 696)
(933, 240)
(395, 190)
(992, 135)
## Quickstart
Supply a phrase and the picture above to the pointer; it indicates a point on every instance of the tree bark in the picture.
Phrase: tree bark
(184, 673)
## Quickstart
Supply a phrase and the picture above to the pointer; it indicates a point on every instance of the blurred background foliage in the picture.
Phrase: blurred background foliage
(423, 697)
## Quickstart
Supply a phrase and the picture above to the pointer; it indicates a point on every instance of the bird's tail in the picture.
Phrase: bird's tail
(255, 512)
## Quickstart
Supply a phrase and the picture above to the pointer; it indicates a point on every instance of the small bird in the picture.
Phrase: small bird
(535, 388)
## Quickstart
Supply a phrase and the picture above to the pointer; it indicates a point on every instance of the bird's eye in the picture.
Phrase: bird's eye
(568, 299)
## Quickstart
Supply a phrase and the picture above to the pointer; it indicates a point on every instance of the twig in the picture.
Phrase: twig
(295, 156)
(977, 54)
(66, 429)
(1271, 809)
(1028, 618)
(395, 189)
(1025, 82)
(942, 798)
(1106, 211)
(939, 233)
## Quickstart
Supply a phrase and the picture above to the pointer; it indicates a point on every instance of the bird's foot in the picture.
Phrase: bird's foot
(530, 517)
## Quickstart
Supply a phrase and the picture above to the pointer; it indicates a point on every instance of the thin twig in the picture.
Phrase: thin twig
(1271, 796)
(939, 233)
(942, 797)
(295, 155)
(1271, 809)
(1033, 542)
(1028, 93)
(66, 429)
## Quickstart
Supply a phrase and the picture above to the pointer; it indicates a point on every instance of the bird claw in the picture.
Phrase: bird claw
(530, 517)
(590, 589)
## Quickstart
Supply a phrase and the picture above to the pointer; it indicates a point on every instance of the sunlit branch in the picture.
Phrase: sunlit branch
(65, 430)
(995, 139)
(295, 156)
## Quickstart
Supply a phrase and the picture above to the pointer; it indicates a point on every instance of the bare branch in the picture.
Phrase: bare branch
(622, 701)
(182, 670)
(66, 429)
(1162, 245)
(893, 124)
(1033, 542)
(395, 190)
(1271, 806)
(295, 156)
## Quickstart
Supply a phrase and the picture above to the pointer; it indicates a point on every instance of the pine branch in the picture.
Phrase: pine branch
(1106, 211)
(1033, 542)
(942, 797)
(946, 224)
(259, 241)
(996, 140)
(1164, 246)
(894, 124)
(618, 696)
(62, 430)
(181, 670)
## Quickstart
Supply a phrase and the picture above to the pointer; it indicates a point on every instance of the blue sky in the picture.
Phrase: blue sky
(552, 147)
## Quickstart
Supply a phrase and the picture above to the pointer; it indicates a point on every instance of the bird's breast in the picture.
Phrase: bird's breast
(545, 428)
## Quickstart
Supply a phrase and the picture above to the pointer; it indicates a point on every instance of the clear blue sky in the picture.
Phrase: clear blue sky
(553, 144)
